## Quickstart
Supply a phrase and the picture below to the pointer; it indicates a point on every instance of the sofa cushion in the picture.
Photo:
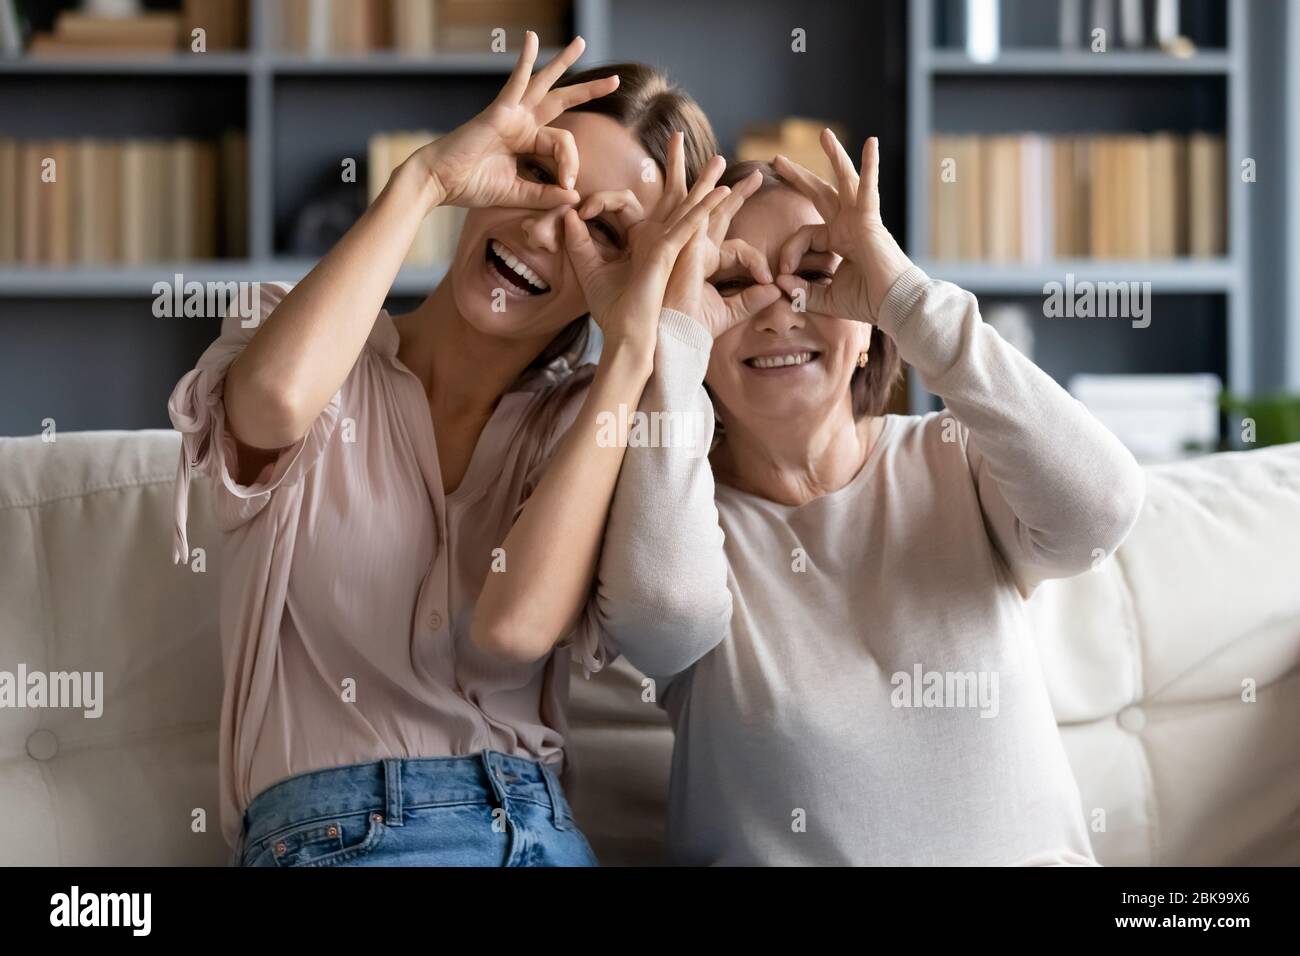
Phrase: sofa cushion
(1152, 658)
(88, 585)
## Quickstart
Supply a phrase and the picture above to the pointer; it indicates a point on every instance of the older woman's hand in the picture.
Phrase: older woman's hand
(852, 229)
(709, 252)
(476, 164)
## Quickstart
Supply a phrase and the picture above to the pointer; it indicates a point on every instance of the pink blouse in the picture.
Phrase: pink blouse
(348, 577)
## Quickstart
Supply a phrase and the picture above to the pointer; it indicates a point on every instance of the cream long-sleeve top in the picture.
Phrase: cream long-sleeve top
(854, 680)
(349, 577)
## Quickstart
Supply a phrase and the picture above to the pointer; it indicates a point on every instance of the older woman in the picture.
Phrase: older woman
(852, 675)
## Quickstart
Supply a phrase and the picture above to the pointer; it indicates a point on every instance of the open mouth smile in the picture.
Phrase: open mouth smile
(516, 275)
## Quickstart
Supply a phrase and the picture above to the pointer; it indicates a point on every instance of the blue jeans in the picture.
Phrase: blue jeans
(488, 809)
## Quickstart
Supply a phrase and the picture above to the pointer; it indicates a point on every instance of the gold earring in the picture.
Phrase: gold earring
(862, 359)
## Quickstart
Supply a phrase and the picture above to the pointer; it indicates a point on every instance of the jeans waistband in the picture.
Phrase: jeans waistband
(393, 787)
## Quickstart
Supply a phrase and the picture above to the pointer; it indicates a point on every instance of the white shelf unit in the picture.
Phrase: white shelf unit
(1227, 276)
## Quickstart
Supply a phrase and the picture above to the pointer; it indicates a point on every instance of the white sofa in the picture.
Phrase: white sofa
(1147, 657)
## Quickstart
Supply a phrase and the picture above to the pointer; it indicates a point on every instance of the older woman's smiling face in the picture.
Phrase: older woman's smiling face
(782, 367)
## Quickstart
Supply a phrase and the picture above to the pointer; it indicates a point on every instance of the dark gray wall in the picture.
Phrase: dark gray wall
(92, 364)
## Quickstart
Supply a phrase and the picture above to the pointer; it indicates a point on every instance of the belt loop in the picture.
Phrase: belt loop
(559, 815)
(393, 792)
(494, 781)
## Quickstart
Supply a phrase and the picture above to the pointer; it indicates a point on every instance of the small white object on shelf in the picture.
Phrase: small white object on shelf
(1166, 23)
(983, 30)
(11, 38)
(1159, 418)
(112, 8)
(1130, 24)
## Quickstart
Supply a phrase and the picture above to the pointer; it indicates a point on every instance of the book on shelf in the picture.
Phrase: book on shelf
(1029, 198)
(1206, 208)
(11, 32)
(466, 25)
(56, 206)
(97, 200)
(233, 211)
(796, 138)
(322, 28)
(224, 23)
(30, 219)
(78, 33)
(88, 201)
(435, 240)
(9, 210)
(414, 26)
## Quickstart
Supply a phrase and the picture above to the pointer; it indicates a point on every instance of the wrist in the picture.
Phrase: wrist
(901, 298)
(691, 305)
(631, 353)
(419, 176)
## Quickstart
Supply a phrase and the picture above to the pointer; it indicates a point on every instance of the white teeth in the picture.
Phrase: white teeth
(510, 259)
(779, 361)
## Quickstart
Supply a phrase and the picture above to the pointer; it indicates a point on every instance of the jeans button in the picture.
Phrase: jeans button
(435, 621)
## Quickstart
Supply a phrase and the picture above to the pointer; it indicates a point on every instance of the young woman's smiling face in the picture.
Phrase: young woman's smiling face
(521, 251)
(781, 366)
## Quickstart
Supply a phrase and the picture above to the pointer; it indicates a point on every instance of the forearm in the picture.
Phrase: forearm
(1066, 485)
(662, 596)
(552, 550)
(308, 345)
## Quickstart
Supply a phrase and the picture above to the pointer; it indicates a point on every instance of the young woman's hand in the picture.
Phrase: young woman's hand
(625, 294)
(852, 229)
(709, 252)
(476, 164)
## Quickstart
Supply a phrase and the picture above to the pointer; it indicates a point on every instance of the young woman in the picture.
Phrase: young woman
(850, 670)
(367, 469)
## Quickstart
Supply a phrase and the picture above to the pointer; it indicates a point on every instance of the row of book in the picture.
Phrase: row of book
(224, 25)
(1032, 198)
(1174, 26)
(350, 27)
(435, 242)
(100, 202)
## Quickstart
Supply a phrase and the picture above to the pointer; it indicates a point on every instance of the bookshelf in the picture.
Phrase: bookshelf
(267, 83)
(1037, 88)
(81, 345)
(301, 114)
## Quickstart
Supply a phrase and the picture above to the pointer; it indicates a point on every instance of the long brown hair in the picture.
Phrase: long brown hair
(872, 386)
(650, 106)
